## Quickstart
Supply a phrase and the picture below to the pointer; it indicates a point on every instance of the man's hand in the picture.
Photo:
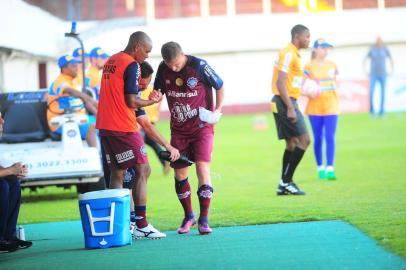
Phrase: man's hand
(155, 96)
(174, 152)
(292, 114)
(19, 169)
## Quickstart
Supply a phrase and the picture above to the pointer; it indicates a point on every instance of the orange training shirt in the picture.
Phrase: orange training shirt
(288, 61)
(327, 103)
(113, 114)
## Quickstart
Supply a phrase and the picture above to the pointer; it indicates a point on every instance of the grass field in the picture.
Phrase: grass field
(370, 192)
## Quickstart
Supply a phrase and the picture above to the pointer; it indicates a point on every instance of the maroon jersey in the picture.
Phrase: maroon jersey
(186, 91)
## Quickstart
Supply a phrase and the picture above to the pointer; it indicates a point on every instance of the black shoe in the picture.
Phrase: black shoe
(22, 243)
(8, 246)
(289, 189)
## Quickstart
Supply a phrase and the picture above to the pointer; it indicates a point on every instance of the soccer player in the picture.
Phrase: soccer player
(118, 127)
(323, 110)
(152, 111)
(290, 124)
(187, 82)
(62, 93)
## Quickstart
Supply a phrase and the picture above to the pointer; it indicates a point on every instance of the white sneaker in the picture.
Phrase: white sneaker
(132, 227)
(148, 232)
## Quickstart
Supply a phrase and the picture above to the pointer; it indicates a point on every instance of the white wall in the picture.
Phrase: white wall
(248, 75)
(20, 74)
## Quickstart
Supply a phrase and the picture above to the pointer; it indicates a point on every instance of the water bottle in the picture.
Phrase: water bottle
(21, 233)
(73, 29)
(1, 128)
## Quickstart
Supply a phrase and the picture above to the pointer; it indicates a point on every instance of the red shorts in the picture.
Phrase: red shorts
(197, 148)
(123, 149)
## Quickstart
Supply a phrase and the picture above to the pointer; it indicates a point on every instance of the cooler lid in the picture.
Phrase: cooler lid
(101, 194)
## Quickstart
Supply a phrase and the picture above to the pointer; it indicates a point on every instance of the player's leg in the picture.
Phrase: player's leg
(290, 145)
(317, 125)
(205, 193)
(90, 131)
(382, 82)
(116, 178)
(157, 149)
(184, 193)
(295, 134)
(182, 186)
(203, 148)
(129, 180)
(140, 194)
(114, 147)
(330, 131)
(106, 169)
(143, 228)
(372, 82)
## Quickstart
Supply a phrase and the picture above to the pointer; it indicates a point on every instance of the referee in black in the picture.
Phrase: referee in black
(290, 124)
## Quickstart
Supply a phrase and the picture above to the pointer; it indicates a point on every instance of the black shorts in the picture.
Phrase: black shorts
(285, 128)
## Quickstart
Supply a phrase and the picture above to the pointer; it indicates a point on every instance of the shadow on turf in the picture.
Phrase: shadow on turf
(26, 198)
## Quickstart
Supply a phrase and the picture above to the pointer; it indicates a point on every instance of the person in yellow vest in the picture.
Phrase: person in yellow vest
(78, 80)
(97, 60)
(152, 111)
(63, 97)
(286, 85)
(323, 110)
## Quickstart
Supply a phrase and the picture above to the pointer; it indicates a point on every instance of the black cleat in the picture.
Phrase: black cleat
(289, 189)
(8, 246)
(22, 243)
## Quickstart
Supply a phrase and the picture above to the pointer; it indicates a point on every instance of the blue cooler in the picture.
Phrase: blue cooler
(105, 218)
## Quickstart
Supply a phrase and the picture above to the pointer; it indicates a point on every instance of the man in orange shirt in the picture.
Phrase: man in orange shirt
(62, 96)
(118, 127)
(290, 124)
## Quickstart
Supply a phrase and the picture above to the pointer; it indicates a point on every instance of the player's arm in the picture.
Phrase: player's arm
(131, 76)
(90, 103)
(283, 66)
(365, 62)
(153, 133)
(159, 81)
(211, 77)
(133, 101)
(392, 66)
(283, 92)
(219, 99)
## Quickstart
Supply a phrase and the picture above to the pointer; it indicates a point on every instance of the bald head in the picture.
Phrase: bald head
(138, 38)
(139, 46)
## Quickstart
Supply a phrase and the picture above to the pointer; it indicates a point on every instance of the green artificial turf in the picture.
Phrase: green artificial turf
(370, 192)
(319, 245)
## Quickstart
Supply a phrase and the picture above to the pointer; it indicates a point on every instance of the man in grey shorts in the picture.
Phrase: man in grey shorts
(290, 124)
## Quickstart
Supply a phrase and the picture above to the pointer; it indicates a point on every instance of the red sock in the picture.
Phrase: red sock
(184, 195)
(141, 216)
(205, 193)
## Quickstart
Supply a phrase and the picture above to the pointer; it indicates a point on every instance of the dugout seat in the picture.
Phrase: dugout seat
(25, 117)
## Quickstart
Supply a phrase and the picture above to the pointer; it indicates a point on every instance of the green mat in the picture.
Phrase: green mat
(307, 245)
